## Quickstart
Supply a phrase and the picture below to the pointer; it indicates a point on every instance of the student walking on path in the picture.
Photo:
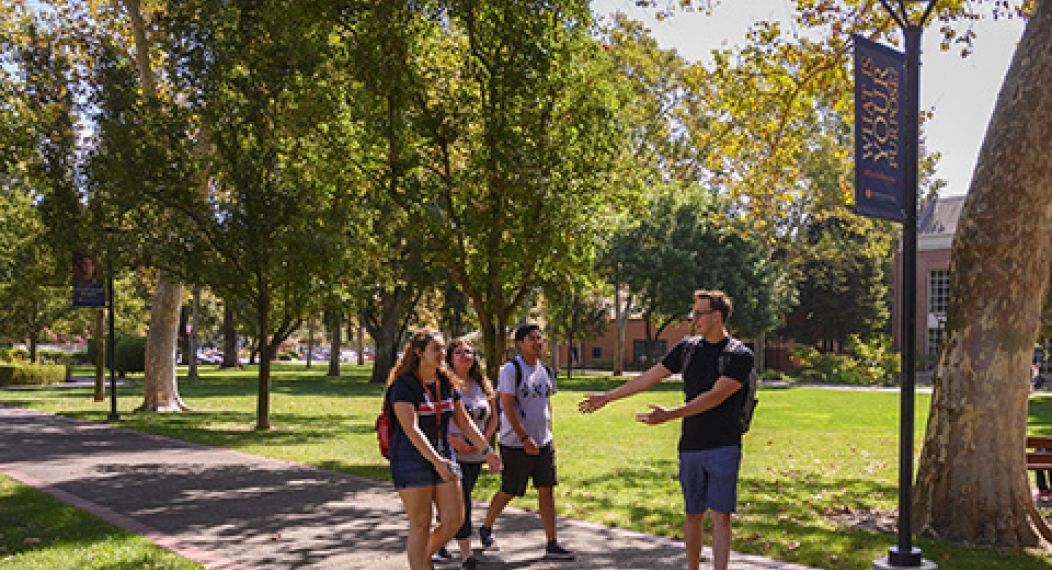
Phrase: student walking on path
(527, 447)
(423, 399)
(711, 433)
(479, 400)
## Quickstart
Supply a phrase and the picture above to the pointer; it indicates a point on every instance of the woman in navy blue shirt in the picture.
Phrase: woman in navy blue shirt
(423, 399)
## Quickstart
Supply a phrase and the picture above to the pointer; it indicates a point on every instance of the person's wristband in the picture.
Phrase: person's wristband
(524, 438)
(487, 451)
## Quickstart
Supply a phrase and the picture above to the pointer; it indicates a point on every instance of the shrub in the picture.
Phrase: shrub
(130, 354)
(772, 375)
(32, 374)
(870, 363)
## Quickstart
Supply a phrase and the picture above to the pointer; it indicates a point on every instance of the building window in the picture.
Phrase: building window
(639, 350)
(935, 338)
(938, 291)
(597, 352)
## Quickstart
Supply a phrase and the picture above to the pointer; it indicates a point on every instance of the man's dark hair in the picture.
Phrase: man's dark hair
(718, 300)
(524, 331)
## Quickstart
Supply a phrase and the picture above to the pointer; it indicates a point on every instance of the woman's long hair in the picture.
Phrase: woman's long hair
(410, 361)
(474, 373)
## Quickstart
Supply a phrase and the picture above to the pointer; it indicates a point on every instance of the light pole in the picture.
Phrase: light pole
(904, 554)
(111, 345)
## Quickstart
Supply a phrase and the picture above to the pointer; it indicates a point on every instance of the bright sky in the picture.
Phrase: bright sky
(962, 91)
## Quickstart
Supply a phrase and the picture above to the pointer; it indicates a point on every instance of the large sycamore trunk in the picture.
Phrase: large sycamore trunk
(972, 484)
(160, 389)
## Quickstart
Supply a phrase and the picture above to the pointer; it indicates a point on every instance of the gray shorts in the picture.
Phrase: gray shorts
(709, 479)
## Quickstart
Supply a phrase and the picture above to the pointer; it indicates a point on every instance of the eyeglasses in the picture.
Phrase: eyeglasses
(464, 352)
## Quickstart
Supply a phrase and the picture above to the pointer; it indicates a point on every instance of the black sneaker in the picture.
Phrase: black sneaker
(555, 552)
(486, 537)
(471, 563)
(443, 555)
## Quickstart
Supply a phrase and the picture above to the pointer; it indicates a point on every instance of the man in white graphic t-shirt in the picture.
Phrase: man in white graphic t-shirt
(525, 388)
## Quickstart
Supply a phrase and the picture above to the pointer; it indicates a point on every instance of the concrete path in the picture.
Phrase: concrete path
(231, 510)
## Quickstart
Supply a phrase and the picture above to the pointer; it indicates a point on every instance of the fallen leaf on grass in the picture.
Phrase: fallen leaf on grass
(793, 545)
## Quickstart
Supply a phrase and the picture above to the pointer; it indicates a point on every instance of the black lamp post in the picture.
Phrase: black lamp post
(111, 345)
(904, 554)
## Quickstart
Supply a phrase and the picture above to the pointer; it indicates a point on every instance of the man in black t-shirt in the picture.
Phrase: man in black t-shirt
(710, 439)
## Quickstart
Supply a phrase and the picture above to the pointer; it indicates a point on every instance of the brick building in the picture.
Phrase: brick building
(935, 228)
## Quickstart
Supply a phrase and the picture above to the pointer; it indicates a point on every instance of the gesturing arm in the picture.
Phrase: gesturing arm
(703, 402)
(644, 381)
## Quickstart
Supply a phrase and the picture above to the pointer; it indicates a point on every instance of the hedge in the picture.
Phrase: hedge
(32, 374)
(130, 354)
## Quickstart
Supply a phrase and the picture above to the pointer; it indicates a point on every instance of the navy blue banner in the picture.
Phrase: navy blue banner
(89, 290)
(880, 91)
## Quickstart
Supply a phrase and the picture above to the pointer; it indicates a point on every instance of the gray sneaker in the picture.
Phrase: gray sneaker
(471, 563)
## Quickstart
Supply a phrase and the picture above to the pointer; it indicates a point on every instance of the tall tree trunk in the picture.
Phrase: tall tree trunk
(100, 355)
(972, 483)
(386, 354)
(386, 328)
(335, 322)
(195, 316)
(160, 388)
(266, 355)
(33, 344)
(553, 346)
(361, 343)
(620, 319)
(183, 336)
(160, 391)
(230, 347)
(761, 352)
(494, 338)
(310, 340)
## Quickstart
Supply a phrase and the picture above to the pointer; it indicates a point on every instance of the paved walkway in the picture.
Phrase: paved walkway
(231, 510)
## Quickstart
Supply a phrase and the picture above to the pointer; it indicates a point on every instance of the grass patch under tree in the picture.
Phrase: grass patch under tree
(818, 482)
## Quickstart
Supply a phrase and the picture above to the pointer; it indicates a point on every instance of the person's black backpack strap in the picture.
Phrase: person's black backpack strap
(749, 400)
(691, 344)
(518, 383)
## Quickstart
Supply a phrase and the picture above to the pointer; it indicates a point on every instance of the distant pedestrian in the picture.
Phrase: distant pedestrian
(422, 398)
(525, 388)
(479, 400)
(717, 368)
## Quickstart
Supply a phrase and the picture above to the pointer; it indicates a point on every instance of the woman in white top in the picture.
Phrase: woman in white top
(479, 401)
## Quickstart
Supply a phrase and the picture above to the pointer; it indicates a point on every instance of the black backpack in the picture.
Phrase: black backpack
(749, 401)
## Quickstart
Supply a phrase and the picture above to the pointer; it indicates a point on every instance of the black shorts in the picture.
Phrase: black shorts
(519, 466)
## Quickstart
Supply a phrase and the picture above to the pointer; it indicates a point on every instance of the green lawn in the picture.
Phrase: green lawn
(39, 531)
(820, 465)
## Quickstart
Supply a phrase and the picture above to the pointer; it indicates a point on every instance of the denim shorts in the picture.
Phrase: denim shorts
(709, 479)
(412, 470)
